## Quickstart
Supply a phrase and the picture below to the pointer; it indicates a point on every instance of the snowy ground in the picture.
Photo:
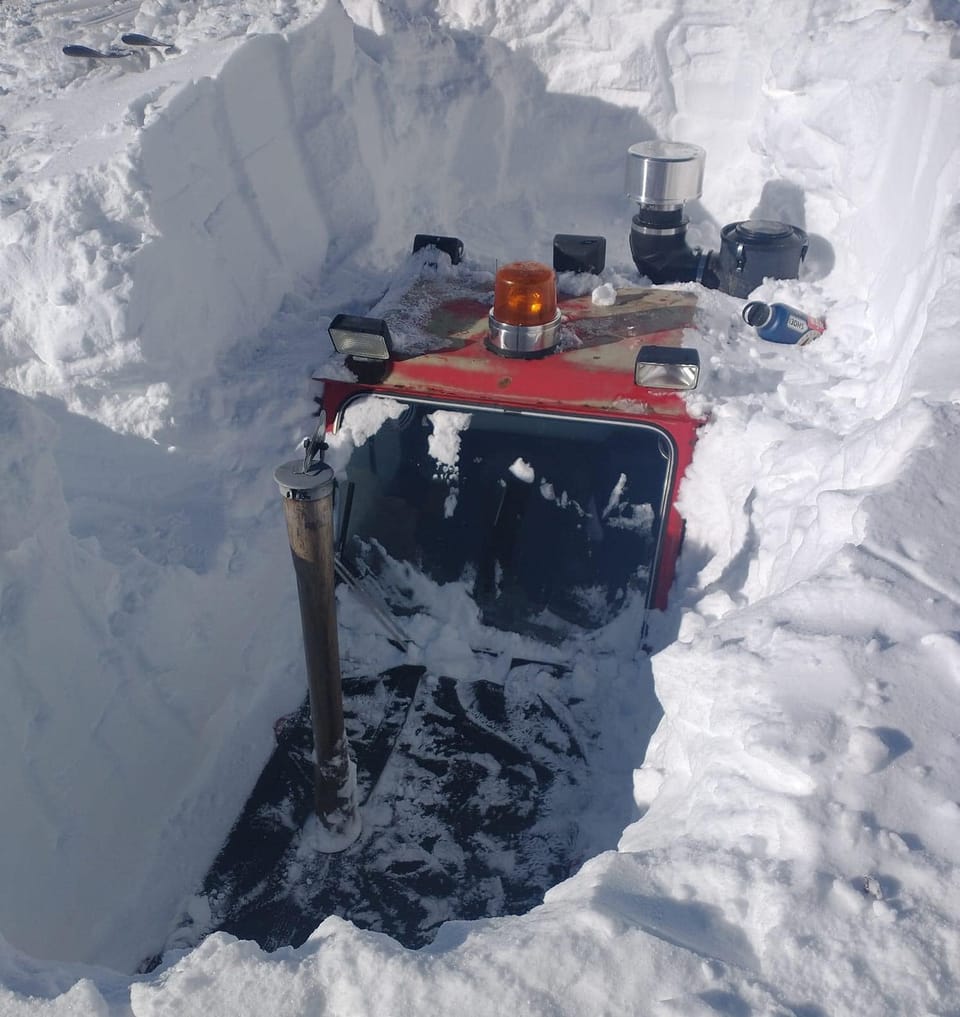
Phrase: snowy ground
(175, 233)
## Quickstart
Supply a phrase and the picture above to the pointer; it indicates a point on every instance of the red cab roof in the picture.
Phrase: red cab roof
(439, 330)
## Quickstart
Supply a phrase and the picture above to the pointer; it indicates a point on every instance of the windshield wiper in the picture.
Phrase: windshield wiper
(375, 602)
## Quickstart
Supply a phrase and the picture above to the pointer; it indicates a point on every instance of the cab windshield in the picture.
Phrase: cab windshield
(552, 523)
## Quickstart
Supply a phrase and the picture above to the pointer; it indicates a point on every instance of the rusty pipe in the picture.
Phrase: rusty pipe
(307, 490)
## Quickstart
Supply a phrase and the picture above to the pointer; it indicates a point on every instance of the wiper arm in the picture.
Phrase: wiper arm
(373, 600)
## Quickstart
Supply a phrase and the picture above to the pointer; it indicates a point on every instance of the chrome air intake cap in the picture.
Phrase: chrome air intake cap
(664, 174)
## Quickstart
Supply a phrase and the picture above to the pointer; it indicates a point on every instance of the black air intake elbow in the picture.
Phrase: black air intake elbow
(658, 243)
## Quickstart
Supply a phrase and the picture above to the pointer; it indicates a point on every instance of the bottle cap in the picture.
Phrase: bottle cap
(757, 313)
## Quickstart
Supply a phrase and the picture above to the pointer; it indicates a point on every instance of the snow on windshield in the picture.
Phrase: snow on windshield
(365, 418)
(522, 471)
(447, 491)
(443, 444)
(622, 513)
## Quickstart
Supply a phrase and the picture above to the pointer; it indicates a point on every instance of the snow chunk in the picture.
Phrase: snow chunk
(522, 471)
(444, 444)
(363, 419)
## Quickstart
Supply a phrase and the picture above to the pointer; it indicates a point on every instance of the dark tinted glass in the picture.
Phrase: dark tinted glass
(552, 522)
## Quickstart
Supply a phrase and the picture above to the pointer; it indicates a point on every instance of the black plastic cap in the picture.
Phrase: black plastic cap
(574, 253)
(451, 246)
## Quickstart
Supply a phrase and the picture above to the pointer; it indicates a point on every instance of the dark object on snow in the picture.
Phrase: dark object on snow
(779, 323)
(95, 54)
(135, 39)
(573, 253)
(752, 251)
(871, 887)
(451, 246)
(661, 177)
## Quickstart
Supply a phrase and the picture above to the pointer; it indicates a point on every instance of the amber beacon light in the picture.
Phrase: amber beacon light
(524, 316)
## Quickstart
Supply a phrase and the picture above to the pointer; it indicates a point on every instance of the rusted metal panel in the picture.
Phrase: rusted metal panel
(590, 372)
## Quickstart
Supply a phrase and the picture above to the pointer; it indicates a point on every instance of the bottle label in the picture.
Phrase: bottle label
(807, 328)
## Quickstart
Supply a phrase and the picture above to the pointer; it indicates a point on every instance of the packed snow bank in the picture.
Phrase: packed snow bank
(159, 221)
(184, 203)
(798, 845)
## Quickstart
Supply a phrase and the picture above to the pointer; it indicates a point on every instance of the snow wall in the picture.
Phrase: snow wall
(167, 275)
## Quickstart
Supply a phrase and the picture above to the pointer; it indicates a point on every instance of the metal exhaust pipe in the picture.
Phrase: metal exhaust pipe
(307, 489)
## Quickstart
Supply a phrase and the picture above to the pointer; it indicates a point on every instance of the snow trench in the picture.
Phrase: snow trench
(206, 243)
(165, 291)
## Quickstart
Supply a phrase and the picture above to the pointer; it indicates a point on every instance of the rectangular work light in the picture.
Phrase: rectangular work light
(674, 367)
(361, 338)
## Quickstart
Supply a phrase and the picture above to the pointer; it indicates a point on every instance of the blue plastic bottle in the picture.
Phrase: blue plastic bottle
(778, 323)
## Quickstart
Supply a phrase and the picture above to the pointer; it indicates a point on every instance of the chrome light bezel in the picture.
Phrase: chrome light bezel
(669, 367)
(361, 338)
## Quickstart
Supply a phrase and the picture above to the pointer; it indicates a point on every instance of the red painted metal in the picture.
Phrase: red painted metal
(440, 354)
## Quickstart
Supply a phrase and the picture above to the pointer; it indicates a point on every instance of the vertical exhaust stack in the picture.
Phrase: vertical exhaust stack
(307, 489)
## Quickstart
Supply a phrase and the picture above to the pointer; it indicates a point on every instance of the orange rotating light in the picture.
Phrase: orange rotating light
(525, 293)
(524, 316)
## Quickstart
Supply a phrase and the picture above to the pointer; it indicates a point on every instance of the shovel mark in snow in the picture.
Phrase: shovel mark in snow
(871, 749)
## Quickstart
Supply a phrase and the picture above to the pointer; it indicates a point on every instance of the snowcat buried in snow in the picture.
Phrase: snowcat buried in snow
(494, 480)
(516, 451)
(532, 450)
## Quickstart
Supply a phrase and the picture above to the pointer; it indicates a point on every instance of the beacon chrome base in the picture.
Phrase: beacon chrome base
(522, 340)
